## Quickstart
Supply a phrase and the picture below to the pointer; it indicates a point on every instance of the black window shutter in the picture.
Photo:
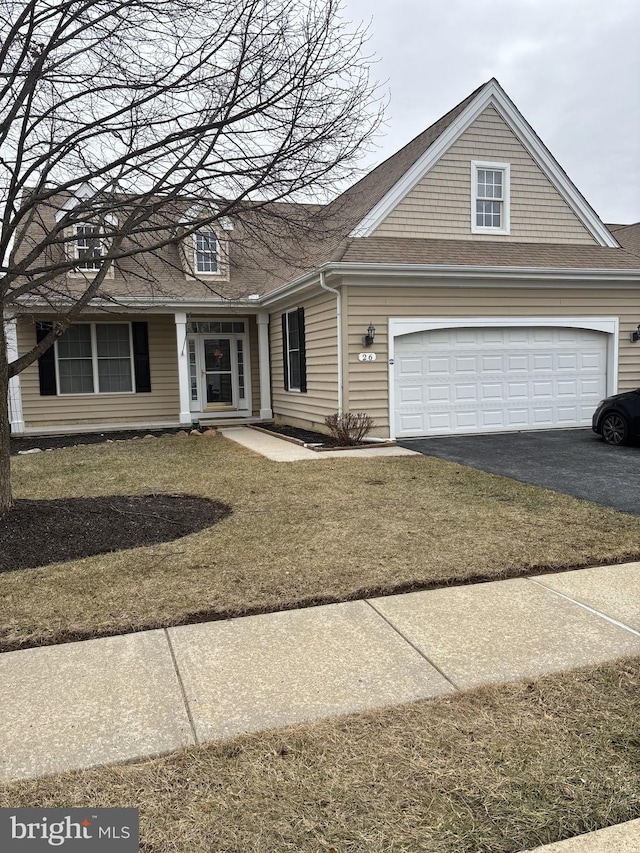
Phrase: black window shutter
(141, 367)
(285, 352)
(46, 363)
(303, 351)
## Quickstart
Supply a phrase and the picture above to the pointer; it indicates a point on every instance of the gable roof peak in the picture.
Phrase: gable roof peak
(388, 184)
(356, 201)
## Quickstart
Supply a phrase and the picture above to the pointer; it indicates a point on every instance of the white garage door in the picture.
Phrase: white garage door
(452, 381)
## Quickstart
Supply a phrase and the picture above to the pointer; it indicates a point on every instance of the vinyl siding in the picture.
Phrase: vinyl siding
(368, 382)
(161, 405)
(321, 399)
(440, 204)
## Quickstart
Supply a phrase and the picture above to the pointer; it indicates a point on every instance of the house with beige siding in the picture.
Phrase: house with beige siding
(464, 285)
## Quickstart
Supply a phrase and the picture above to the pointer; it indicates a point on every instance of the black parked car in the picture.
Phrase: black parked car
(617, 418)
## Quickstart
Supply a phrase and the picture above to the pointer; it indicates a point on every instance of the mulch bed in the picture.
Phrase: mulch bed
(38, 532)
(305, 435)
(53, 442)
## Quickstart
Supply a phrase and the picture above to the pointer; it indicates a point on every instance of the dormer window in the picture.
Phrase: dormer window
(490, 198)
(88, 247)
(206, 252)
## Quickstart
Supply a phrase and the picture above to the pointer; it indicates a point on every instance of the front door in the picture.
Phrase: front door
(218, 374)
(217, 364)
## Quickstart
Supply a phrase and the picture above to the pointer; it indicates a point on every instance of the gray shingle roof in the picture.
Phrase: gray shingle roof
(412, 250)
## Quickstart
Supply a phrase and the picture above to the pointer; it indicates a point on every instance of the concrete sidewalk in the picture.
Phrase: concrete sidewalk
(280, 450)
(623, 838)
(121, 698)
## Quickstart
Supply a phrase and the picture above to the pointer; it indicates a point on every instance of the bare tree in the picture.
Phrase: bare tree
(129, 109)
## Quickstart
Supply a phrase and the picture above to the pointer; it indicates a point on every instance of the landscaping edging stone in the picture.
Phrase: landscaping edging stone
(24, 445)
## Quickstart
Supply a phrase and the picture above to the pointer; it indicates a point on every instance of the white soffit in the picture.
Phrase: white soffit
(491, 95)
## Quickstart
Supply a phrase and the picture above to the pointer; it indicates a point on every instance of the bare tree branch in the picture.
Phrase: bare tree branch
(152, 119)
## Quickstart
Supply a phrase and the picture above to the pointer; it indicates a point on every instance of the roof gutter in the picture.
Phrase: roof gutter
(474, 271)
(338, 294)
(463, 273)
(458, 271)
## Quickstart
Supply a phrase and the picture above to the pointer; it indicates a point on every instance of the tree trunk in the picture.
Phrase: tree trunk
(6, 500)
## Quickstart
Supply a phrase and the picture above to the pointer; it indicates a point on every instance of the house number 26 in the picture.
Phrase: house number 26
(366, 356)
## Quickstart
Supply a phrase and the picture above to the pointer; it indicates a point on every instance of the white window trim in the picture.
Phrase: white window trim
(94, 364)
(218, 271)
(505, 168)
(76, 248)
(73, 253)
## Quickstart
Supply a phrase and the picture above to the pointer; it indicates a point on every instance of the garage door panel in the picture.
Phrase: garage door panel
(493, 418)
(542, 389)
(567, 388)
(438, 365)
(465, 364)
(568, 414)
(466, 420)
(517, 364)
(544, 361)
(466, 392)
(591, 388)
(492, 364)
(477, 380)
(411, 394)
(492, 392)
(542, 417)
(591, 361)
(440, 421)
(411, 366)
(567, 361)
(438, 393)
(517, 418)
(517, 390)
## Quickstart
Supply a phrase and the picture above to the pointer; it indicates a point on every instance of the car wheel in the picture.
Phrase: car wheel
(615, 429)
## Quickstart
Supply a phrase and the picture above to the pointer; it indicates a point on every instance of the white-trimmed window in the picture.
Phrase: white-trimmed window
(95, 358)
(490, 197)
(88, 247)
(206, 251)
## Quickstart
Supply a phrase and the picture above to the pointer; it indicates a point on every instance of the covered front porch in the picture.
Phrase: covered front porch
(223, 367)
(172, 367)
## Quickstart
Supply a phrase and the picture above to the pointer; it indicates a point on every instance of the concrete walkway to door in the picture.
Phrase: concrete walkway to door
(575, 462)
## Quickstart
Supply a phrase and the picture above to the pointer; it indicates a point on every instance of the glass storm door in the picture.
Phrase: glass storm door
(218, 366)
(218, 374)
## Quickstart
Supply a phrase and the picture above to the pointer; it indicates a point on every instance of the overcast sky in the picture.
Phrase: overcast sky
(572, 67)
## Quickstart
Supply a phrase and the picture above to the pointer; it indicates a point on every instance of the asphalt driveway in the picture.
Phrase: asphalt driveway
(576, 462)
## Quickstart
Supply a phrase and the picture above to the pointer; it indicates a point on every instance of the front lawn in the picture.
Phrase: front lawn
(299, 533)
(496, 770)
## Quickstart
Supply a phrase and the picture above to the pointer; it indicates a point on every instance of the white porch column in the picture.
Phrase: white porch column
(180, 319)
(16, 418)
(263, 362)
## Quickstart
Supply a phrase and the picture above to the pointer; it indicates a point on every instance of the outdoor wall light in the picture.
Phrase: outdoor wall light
(635, 336)
(371, 333)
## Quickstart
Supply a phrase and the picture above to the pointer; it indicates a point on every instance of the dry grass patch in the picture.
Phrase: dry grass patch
(299, 533)
(496, 770)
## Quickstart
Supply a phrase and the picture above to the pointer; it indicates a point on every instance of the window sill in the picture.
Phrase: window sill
(495, 232)
(93, 394)
(89, 274)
